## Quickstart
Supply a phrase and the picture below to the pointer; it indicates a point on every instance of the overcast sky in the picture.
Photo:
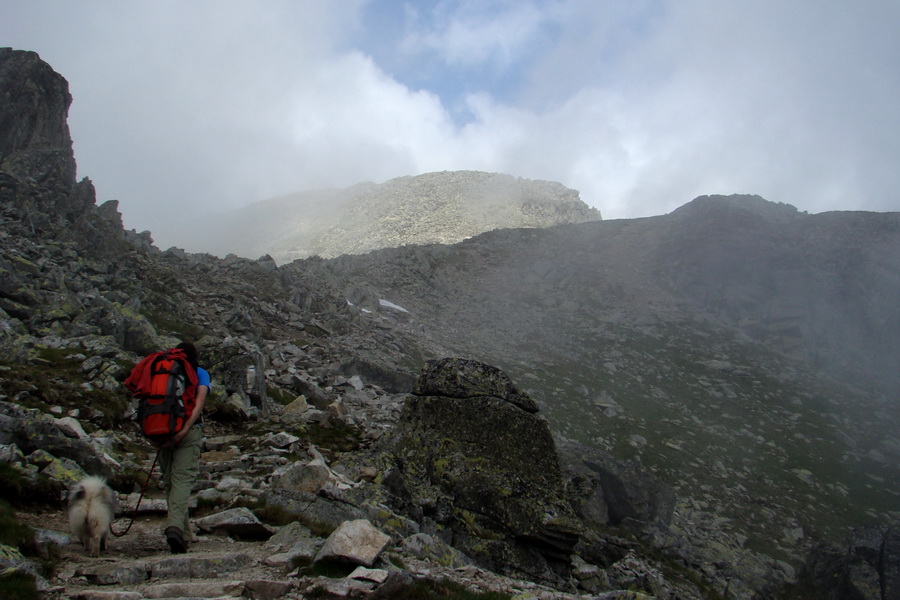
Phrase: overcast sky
(641, 105)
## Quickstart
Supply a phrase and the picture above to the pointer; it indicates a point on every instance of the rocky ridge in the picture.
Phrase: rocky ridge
(311, 371)
(445, 208)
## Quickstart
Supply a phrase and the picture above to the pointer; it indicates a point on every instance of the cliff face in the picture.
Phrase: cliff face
(35, 103)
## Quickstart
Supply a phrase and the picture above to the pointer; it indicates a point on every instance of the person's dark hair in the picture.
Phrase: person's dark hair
(190, 351)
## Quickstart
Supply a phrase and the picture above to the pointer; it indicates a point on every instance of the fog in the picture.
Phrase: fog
(184, 110)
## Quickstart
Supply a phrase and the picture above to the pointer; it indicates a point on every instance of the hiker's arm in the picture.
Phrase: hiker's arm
(198, 409)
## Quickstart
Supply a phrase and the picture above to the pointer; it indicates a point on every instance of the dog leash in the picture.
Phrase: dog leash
(141, 497)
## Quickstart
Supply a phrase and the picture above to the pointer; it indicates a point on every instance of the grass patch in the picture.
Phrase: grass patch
(17, 585)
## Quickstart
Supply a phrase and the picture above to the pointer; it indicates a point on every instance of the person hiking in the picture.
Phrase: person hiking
(171, 388)
(179, 459)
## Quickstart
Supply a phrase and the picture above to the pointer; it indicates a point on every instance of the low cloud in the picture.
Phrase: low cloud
(641, 106)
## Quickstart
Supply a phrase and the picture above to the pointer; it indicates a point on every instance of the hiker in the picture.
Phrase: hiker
(171, 389)
(179, 459)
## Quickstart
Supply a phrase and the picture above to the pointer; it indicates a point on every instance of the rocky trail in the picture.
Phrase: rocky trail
(231, 554)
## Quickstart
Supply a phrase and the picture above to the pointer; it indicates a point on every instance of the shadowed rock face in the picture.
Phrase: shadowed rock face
(598, 481)
(37, 142)
(867, 565)
(37, 163)
(484, 470)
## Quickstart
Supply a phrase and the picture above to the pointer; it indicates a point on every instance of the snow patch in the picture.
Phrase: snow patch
(388, 304)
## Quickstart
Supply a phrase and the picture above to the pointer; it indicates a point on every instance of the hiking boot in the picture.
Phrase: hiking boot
(176, 540)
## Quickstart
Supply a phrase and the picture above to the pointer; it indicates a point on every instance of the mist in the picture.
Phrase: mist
(182, 112)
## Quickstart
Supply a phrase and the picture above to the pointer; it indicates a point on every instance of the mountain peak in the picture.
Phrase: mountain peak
(737, 203)
(441, 207)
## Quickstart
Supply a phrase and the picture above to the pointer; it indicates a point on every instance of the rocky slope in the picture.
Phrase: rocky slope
(731, 347)
(742, 458)
(444, 207)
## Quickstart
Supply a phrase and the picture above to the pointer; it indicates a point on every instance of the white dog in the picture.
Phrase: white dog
(92, 507)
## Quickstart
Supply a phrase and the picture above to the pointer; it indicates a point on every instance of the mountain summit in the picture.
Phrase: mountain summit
(445, 208)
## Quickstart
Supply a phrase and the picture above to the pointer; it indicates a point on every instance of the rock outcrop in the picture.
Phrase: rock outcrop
(484, 470)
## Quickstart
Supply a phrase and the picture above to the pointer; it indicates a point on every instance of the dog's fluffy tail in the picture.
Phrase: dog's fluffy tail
(91, 511)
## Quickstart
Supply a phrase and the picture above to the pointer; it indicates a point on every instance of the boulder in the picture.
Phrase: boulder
(474, 458)
(302, 477)
(237, 522)
(357, 542)
(461, 378)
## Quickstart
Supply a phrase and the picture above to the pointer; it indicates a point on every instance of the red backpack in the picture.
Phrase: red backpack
(165, 385)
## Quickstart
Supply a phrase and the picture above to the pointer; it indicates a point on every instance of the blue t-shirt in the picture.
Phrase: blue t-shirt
(203, 378)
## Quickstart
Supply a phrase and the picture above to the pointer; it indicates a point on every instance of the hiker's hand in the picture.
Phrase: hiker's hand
(178, 437)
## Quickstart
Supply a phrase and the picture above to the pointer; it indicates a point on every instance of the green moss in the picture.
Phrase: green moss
(280, 396)
(340, 437)
(17, 585)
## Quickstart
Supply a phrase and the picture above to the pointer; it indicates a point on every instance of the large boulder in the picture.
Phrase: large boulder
(476, 462)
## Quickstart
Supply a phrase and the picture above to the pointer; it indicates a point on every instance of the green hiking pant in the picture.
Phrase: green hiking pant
(180, 466)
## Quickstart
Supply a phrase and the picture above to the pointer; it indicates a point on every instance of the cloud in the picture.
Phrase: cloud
(472, 33)
(641, 106)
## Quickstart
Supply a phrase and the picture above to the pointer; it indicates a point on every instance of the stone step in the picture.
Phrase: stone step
(193, 575)
(260, 589)
(185, 566)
